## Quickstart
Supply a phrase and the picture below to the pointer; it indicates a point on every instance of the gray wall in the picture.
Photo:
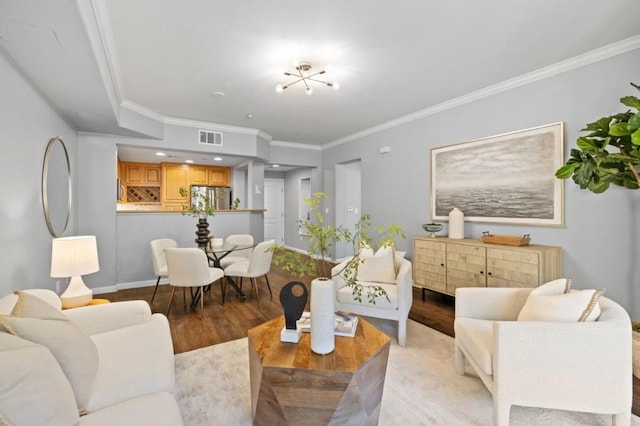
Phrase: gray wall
(136, 230)
(600, 238)
(27, 122)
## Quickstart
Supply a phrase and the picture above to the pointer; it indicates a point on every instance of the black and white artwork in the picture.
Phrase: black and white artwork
(508, 178)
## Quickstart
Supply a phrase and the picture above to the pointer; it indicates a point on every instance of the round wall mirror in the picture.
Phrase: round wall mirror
(56, 187)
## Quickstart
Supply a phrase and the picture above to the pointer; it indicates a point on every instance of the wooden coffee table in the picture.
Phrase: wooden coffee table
(292, 385)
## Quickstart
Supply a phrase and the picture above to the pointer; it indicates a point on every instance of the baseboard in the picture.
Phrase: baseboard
(125, 286)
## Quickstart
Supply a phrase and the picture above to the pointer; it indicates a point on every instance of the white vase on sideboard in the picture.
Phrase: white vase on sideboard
(456, 224)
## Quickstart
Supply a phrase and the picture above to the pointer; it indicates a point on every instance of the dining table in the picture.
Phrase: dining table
(215, 253)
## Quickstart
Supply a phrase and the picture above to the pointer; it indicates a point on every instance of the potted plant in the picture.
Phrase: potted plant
(610, 154)
(200, 207)
(322, 238)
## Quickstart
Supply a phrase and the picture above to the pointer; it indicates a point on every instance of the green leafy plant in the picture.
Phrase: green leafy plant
(610, 153)
(322, 237)
(200, 205)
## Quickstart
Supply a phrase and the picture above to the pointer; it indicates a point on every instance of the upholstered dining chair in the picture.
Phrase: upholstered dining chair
(258, 265)
(238, 255)
(189, 267)
(159, 259)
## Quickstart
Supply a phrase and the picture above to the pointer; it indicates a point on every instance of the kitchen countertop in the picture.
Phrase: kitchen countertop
(158, 211)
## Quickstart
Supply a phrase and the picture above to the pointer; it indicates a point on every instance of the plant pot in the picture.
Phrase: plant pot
(323, 301)
(636, 353)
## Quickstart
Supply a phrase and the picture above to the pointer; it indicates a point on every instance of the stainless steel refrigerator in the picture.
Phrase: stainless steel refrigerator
(218, 196)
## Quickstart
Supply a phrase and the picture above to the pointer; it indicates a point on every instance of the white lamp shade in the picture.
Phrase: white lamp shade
(74, 256)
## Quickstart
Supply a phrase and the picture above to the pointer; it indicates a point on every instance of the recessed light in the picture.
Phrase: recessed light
(160, 154)
(217, 158)
(188, 161)
(218, 94)
(275, 166)
(249, 115)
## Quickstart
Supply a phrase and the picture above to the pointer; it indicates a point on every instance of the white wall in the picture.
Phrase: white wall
(27, 122)
(600, 239)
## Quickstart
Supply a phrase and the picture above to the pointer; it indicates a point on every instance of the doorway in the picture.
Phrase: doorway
(348, 201)
(274, 210)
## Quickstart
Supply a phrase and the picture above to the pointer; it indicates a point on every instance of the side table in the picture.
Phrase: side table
(292, 385)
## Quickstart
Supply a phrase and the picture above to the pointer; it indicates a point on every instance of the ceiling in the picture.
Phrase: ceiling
(170, 57)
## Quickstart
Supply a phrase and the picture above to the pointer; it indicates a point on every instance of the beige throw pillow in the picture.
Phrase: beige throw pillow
(35, 320)
(379, 267)
(555, 301)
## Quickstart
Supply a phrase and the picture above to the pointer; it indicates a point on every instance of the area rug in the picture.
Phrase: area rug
(421, 387)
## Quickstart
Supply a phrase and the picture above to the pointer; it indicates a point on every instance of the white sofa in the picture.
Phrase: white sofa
(400, 296)
(577, 366)
(133, 382)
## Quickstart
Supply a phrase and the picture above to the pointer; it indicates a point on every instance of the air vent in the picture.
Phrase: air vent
(210, 138)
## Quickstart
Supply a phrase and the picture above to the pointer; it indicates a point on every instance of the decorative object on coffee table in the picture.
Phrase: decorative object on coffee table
(293, 298)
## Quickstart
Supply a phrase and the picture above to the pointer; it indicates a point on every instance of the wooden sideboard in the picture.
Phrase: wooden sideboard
(444, 264)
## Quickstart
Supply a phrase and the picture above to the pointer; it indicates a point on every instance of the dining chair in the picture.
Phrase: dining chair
(159, 258)
(238, 255)
(189, 267)
(258, 265)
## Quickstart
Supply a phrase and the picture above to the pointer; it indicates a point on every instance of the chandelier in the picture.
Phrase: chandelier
(303, 74)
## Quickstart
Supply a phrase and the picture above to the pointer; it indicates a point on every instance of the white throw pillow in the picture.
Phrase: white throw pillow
(555, 301)
(379, 267)
(33, 389)
(36, 320)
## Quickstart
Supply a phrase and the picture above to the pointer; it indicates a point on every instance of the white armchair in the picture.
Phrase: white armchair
(400, 297)
(578, 366)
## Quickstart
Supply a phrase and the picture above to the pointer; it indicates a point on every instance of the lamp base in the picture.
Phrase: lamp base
(77, 294)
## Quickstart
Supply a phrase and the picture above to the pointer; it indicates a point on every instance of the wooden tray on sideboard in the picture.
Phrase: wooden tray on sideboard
(507, 240)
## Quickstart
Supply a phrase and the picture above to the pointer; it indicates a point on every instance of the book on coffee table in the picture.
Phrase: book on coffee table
(345, 324)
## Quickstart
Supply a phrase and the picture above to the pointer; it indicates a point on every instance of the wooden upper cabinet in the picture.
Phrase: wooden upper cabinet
(174, 176)
(198, 175)
(141, 174)
(218, 176)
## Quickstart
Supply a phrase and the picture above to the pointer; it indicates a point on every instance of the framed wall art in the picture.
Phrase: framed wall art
(509, 178)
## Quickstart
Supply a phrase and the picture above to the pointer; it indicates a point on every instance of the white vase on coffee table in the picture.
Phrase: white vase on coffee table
(322, 316)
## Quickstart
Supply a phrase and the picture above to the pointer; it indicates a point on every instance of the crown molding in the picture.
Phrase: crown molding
(213, 126)
(149, 113)
(579, 61)
(296, 145)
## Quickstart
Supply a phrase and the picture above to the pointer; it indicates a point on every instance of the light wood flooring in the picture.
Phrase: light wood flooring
(222, 323)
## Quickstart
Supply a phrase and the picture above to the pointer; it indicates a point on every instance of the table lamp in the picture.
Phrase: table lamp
(74, 257)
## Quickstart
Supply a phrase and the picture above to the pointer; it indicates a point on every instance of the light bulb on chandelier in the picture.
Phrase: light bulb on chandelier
(303, 74)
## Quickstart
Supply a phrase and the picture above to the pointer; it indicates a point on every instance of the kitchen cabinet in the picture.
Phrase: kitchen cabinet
(219, 176)
(443, 264)
(141, 174)
(198, 175)
(174, 176)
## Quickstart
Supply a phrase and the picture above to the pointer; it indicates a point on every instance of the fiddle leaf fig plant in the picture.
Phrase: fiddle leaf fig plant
(610, 153)
(322, 238)
(200, 205)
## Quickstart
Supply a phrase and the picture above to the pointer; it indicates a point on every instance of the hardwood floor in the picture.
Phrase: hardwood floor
(222, 323)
